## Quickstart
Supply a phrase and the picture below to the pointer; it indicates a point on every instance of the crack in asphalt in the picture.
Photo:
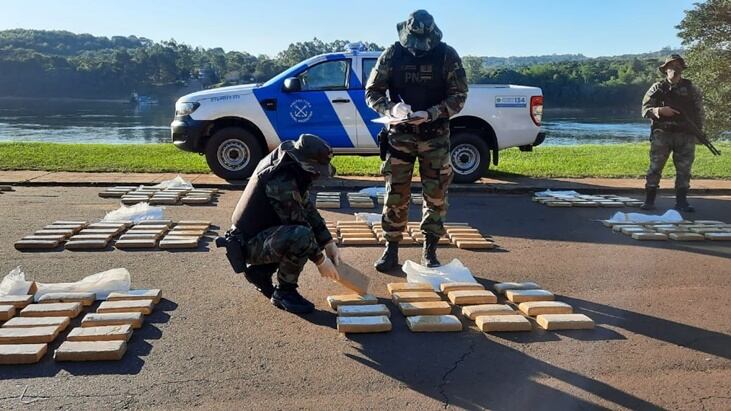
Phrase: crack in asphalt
(443, 383)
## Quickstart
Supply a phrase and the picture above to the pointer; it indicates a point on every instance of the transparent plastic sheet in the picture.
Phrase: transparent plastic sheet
(370, 218)
(455, 271)
(114, 280)
(177, 182)
(15, 284)
(671, 216)
(136, 213)
(373, 191)
(557, 194)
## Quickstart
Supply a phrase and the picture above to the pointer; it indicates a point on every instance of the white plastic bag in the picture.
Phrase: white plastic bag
(670, 217)
(557, 194)
(101, 284)
(136, 213)
(455, 271)
(14, 283)
(177, 182)
(370, 218)
(373, 191)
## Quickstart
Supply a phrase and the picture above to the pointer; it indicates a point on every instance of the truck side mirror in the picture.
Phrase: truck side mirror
(292, 84)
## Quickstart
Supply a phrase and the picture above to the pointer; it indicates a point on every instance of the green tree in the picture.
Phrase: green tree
(706, 31)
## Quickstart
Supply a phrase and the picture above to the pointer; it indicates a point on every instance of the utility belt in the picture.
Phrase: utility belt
(670, 127)
(385, 148)
(425, 130)
(235, 245)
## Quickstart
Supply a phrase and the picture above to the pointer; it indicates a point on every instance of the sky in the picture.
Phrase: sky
(499, 28)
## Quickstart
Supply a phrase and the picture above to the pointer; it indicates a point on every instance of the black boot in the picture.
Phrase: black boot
(650, 194)
(260, 276)
(429, 259)
(681, 200)
(287, 298)
(389, 259)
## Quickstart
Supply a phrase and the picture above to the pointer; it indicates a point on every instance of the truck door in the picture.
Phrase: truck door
(322, 107)
(367, 130)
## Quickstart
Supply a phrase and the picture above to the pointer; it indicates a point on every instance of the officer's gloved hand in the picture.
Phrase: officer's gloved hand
(664, 112)
(333, 252)
(327, 269)
(419, 117)
(400, 110)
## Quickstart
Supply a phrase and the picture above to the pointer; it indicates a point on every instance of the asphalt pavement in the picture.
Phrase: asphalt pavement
(662, 336)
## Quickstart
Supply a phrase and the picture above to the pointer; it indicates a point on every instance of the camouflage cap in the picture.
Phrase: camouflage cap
(313, 154)
(670, 59)
(419, 32)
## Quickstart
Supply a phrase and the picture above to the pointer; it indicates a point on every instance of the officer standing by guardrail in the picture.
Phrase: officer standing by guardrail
(675, 107)
(426, 82)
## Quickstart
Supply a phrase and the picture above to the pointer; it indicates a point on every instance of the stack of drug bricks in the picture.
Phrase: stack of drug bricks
(424, 309)
(466, 237)
(96, 236)
(355, 233)
(103, 335)
(155, 196)
(50, 236)
(357, 200)
(24, 338)
(698, 230)
(327, 199)
(164, 234)
(585, 200)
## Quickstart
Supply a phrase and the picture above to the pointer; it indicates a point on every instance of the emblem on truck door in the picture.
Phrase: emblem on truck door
(300, 111)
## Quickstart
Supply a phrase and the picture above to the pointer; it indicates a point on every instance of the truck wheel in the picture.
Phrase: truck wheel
(233, 153)
(470, 156)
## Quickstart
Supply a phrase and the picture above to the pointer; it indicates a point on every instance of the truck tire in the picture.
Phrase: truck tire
(233, 153)
(470, 156)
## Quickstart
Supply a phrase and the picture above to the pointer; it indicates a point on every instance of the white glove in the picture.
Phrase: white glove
(333, 252)
(419, 117)
(327, 269)
(400, 110)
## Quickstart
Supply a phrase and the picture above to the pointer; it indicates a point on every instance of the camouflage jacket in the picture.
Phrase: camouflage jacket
(654, 99)
(293, 205)
(378, 84)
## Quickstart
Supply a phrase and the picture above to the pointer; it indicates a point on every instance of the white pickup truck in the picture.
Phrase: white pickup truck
(324, 95)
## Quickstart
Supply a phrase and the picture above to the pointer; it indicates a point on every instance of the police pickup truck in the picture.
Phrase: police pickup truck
(324, 95)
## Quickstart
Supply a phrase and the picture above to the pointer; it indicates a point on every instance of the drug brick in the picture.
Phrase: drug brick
(151, 294)
(146, 235)
(501, 288)
(351, 278)
(363, 310)
(126, 306)
(14, 354)
(172, 237)
(359, 241)
(31, 335)
(334, 301)
(108, 231)
(718, 236)
(78, 223)
(17, 301)
(127, 243)
(708, 222)
(56, 237)
(534, 308)
(7, 311)
(135, 319)
(375, 324)
(521, 296)
(393, 287)
(470, 297)
(36, 244)
(86, 245)
(86, 237)
(425, 308)
(617, 228)
(27, 322)
(565, 321)
(65, 233)
(434, 323)
(74, 228)
(192, 200)
(686, 236)
(650, 236)
(502, 323)
(178, 244)
(635, 230)
(186, 233)
(561, 204)
(459, 286)
(86, 299)
(474, 244)
(103, 333)
(671, 230)
(52, 310)
(167, 223)
(474, 311)
(411, 296)
(90, 351)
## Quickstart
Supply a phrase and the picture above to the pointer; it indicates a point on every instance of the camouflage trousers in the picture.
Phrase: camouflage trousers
(682, 146)
(436, 174)
(285, 248)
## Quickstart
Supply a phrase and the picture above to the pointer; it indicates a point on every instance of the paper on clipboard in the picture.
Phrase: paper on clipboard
(392, 120)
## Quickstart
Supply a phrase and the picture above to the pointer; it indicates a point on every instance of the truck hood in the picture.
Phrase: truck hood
(218, 92)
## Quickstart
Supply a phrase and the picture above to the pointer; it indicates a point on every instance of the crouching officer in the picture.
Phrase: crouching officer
(675, 107)
(277, 228)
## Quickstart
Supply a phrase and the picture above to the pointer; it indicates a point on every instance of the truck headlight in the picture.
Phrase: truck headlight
(185, 109)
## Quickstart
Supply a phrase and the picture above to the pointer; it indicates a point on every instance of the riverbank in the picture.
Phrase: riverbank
(583, 161)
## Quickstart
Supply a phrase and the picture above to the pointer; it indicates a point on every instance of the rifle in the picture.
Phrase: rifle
(702, 137)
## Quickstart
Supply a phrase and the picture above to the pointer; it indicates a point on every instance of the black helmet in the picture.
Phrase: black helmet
(313, 154)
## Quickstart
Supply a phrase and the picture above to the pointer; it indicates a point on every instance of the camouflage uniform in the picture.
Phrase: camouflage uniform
(672, 136)
(428, 142)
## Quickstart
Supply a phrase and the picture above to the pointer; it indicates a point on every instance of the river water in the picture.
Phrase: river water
(120, 123)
